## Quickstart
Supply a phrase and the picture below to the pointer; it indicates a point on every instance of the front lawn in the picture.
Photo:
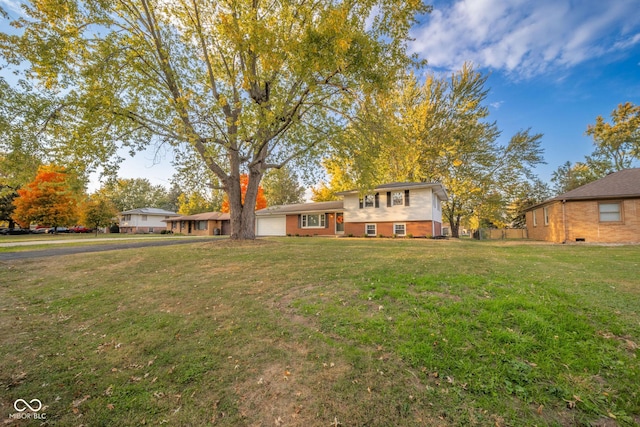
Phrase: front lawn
(320, 332)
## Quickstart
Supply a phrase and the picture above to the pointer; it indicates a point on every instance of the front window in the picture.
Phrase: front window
(610, 212)
(202, 225)
(399, 229)
(397, 198)
(313, 221)
(371, 230)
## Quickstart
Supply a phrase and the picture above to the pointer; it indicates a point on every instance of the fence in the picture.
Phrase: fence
(500, 234)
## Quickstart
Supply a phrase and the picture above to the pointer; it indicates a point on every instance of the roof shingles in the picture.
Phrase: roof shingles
(624, 183)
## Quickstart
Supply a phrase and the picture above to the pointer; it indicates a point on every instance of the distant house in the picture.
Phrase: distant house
(144, 220)
(603, 211)
(202, 224)
(400, 209)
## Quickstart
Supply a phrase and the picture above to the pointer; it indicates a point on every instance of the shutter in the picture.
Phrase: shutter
(326, 220)
(361, 203)
(299, 221)
(406, 197)
(388, 199)
(377, 200)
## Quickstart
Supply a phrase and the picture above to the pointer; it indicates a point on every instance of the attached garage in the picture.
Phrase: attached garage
(271, 225)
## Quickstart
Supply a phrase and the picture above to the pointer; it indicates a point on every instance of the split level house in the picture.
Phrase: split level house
(603, 211)
(144, 220)
(397, 209)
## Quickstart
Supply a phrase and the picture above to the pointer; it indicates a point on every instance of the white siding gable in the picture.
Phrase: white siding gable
(420, 208)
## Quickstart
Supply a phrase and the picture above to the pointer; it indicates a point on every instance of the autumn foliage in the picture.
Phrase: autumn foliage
(47, 199)
(261, 200)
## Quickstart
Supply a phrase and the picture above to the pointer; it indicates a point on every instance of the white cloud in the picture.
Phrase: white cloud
(11, 5)
(523, 37)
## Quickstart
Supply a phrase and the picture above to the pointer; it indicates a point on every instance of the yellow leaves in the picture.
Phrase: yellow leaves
(343, 44)
(457, 162)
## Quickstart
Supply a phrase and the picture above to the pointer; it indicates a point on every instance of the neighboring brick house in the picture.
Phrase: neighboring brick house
(401, 209)
(202, 224)
(603, 211)
(144, 220)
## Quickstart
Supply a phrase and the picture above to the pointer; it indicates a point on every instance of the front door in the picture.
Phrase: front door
(340, 223)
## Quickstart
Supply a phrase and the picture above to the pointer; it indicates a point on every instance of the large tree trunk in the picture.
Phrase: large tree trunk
(455, 226)
(243, 218)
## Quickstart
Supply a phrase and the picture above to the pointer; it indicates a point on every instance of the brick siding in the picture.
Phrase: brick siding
(583, 222)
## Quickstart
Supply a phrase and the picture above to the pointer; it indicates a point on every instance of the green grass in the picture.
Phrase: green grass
(293, 331)
(32, 242)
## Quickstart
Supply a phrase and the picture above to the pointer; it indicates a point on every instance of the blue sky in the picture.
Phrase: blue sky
(553, 65)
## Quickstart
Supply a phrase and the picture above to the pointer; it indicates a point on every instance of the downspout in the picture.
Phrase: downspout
(434, 210)
(564, 222)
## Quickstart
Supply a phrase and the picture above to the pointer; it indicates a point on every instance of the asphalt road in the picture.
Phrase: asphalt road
(71, 250)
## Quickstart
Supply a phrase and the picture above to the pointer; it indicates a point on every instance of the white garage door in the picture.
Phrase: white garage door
(271, 226)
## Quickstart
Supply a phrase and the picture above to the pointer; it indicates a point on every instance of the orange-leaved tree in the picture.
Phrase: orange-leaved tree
(47, 200)
(261, 200)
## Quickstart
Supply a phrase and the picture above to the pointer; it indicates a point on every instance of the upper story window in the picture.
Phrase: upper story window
(370, 201)
(397, 198)
(144, 217)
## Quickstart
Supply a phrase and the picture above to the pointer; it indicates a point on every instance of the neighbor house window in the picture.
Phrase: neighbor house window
(313, 221)
(144, 217)
(399, 229)
(202, 225)
(370, 230)
(610, 212)
(545, 213)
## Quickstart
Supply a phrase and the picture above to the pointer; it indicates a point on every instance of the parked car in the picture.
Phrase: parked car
(41, 229)
(13, 231)
(57, 230)
(80, 229)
